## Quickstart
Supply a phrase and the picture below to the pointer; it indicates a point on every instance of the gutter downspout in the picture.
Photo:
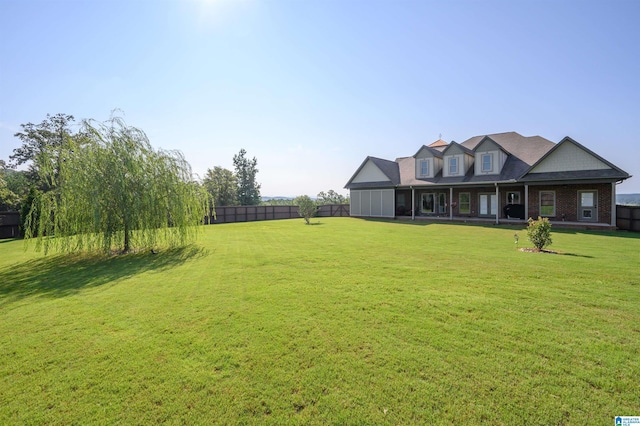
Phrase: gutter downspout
(497, 205)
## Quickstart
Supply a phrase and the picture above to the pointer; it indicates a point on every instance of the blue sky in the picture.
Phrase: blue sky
(311, 87)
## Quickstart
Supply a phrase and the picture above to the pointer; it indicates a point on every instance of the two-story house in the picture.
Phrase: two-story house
(499, 177)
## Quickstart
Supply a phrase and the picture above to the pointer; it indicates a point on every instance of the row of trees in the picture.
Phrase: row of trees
(103, 185)
(239, 188)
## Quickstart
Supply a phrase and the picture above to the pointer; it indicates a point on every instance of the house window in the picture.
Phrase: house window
(424, 168)
(487, 162)
(513, 198)
(453, 166)
(547, 203)
(442, 203)
(464, 202)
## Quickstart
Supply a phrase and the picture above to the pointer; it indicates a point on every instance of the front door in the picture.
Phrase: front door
(488, 204)
(588, 206)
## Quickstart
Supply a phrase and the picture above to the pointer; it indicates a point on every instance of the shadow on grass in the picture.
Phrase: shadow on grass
(8, 240)
(522, 226)
(62, 275)
(576, 255)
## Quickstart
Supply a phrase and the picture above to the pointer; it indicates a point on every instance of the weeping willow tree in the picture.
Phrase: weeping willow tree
(114, 192)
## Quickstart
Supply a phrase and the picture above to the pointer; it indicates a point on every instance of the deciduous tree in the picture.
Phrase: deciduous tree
(248, 187)
(307, 208)
(115, 192)
(331, 197)
(8, 199)
(42, 143)
(222, 185)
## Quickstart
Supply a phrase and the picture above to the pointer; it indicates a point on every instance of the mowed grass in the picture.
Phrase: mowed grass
(347, 321)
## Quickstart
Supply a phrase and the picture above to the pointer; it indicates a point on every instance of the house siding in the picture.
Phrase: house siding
(569, 157)
(370, 173)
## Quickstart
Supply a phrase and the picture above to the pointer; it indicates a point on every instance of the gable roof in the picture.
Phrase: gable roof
(389, 169)
(488, 141)
(437, 144)
(596, 168)
(430, 150)
(454, 145)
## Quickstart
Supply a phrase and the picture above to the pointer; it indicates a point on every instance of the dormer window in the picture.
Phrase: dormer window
(487, 162)
(424, 168)
(453, 166)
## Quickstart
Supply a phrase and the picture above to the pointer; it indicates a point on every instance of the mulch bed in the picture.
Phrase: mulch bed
(535, 250)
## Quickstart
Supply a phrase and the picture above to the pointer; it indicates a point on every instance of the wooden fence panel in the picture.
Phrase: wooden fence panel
(9, 225)
(628, 218)
(10, 221)
(230, 214)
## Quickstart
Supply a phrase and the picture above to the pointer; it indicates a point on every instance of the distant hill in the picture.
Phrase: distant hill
(628, 199)
(277, 198)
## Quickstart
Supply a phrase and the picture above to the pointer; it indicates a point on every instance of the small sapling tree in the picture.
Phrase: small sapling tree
(306, 207)
(539, 232)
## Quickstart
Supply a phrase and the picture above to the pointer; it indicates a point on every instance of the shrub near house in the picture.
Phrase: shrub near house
(539, 232)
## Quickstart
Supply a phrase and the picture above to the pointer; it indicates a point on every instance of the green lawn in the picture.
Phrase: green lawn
(344, 322)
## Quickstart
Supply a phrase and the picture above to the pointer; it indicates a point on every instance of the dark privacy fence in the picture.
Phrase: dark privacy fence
(253, 213)
(10, 221)
(9, 225)
(628, 218)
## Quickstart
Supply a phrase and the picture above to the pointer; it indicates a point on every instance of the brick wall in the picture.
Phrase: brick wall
(567, 201)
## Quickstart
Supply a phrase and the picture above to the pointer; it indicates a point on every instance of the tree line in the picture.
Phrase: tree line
(100, 185)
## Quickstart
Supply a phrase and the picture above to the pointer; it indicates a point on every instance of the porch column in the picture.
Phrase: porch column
(497, 205)
(526, 202)
(413, 203)
(451, 203)
(613, 204)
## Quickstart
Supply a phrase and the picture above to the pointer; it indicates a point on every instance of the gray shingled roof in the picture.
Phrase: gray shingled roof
(528, 149)
(433, 151)
(389, 168)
